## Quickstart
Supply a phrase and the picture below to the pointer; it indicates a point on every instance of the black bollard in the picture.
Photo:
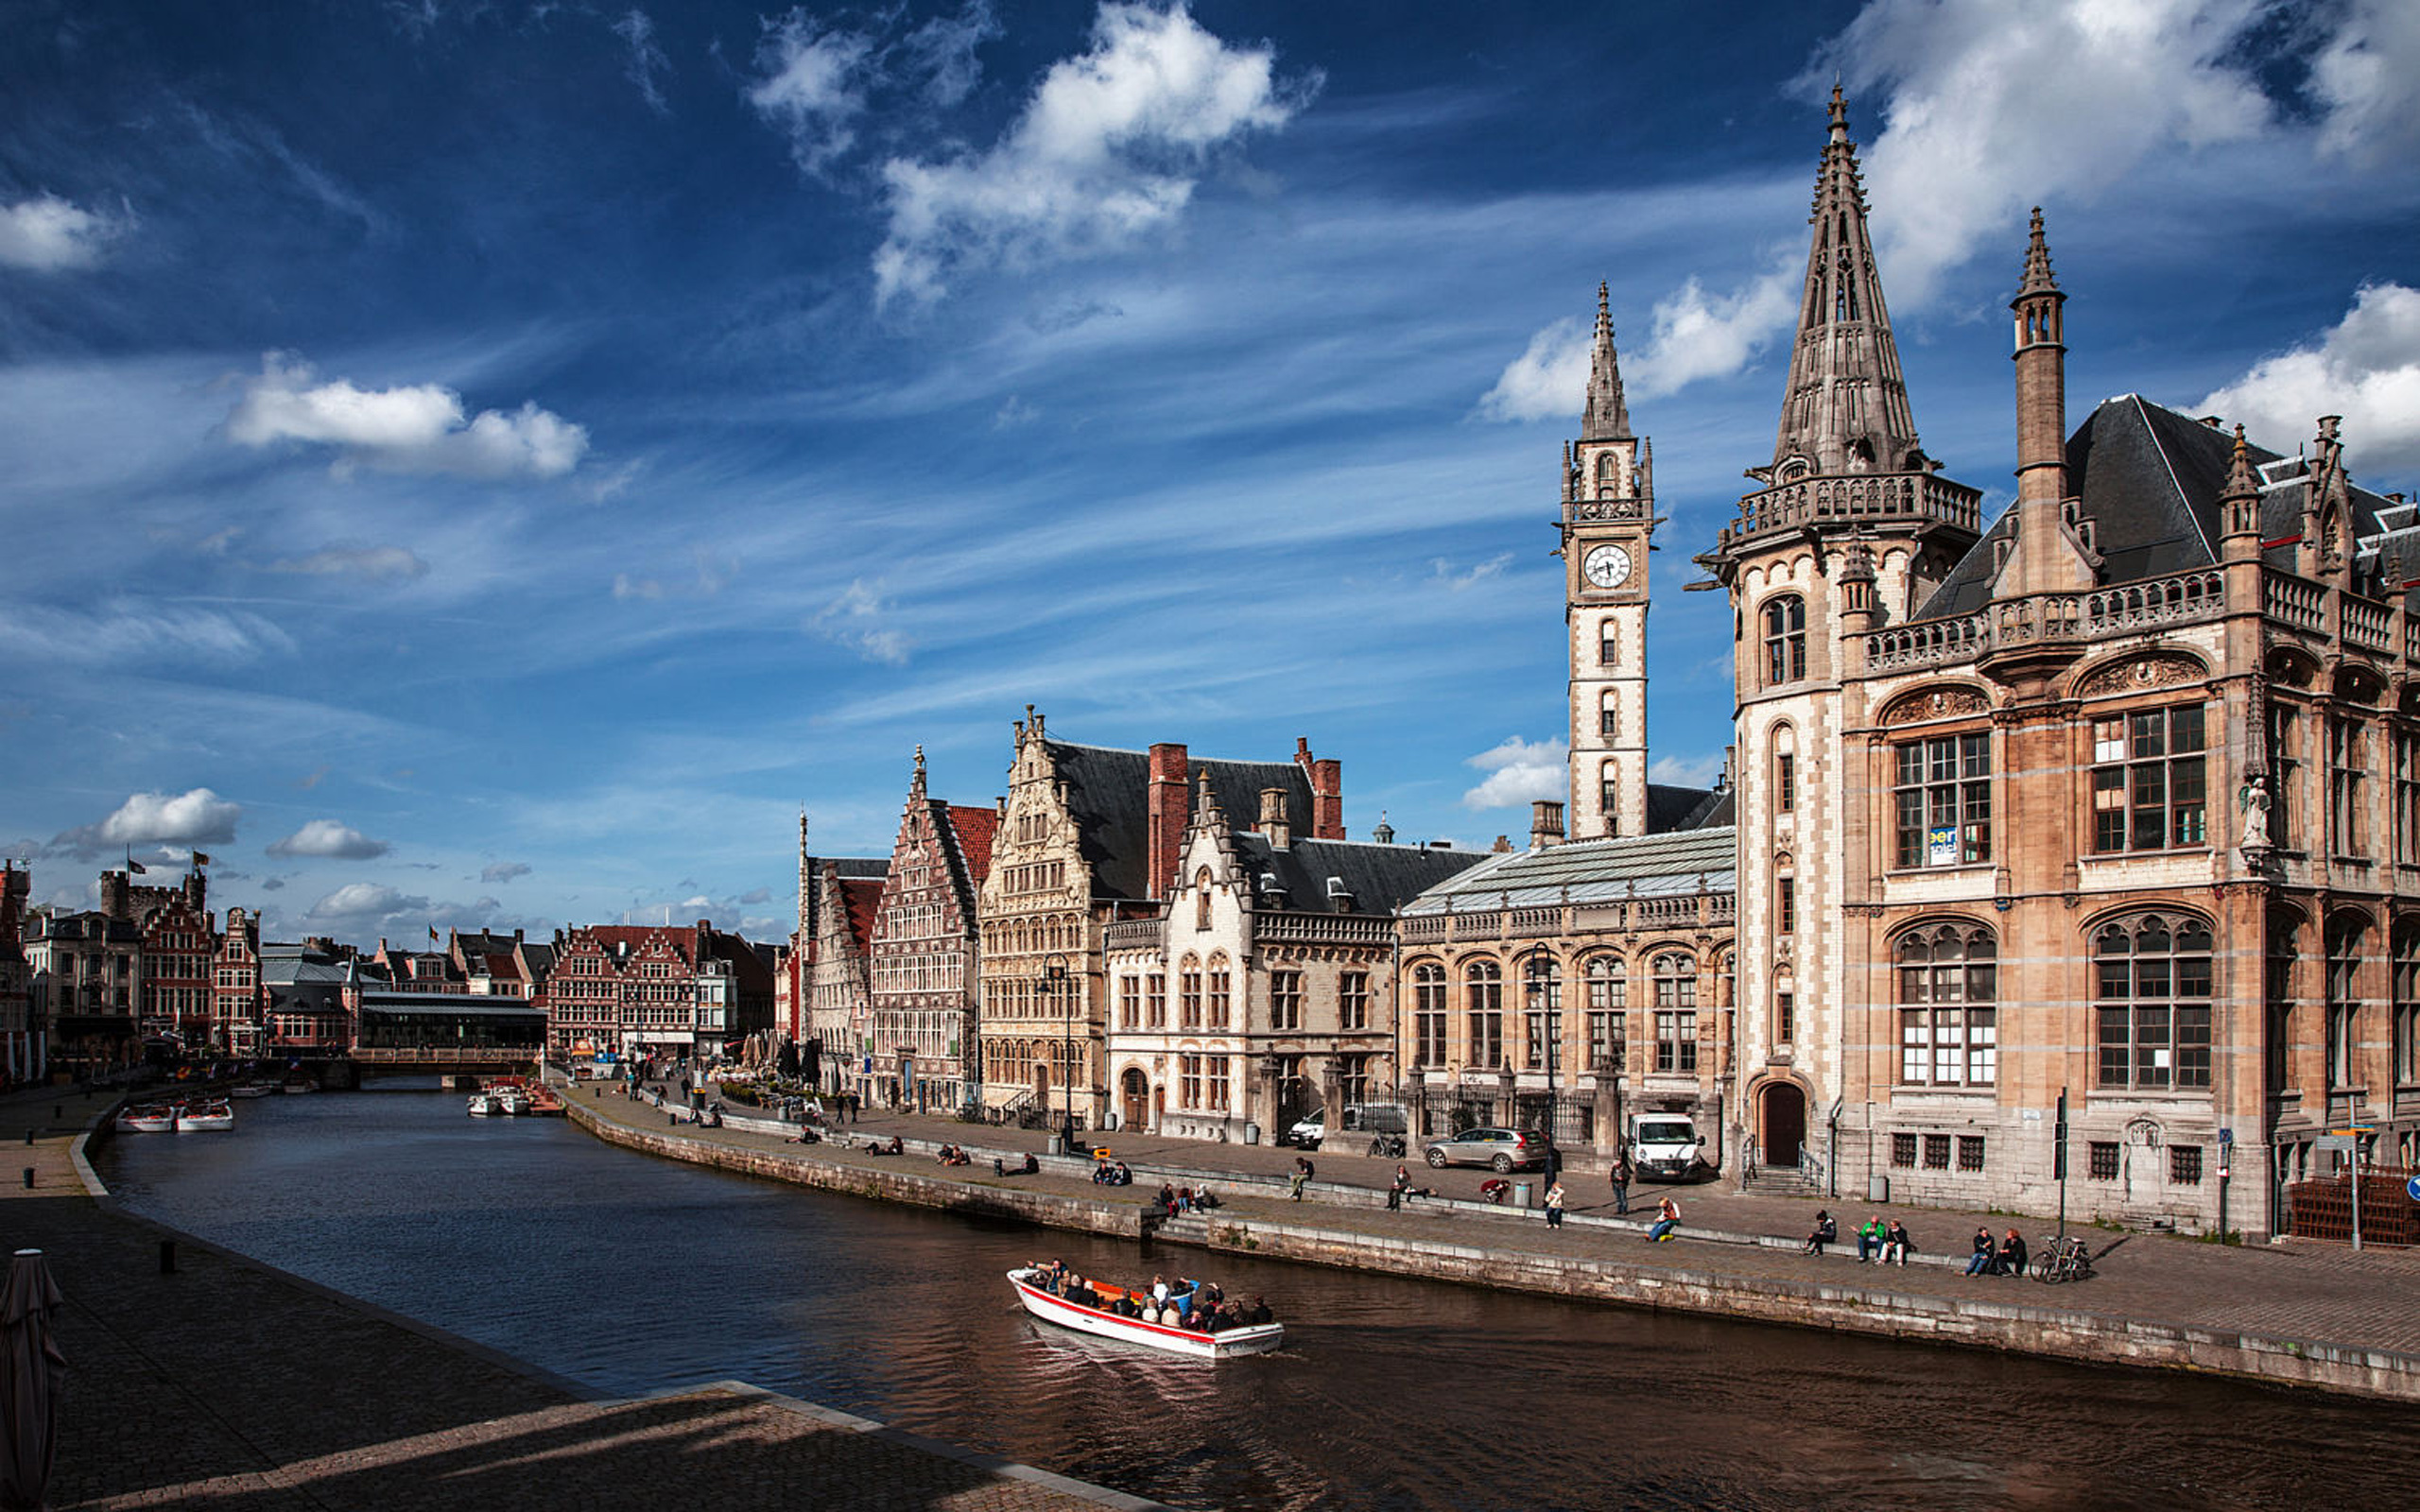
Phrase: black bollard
(29, 1177)
(167, 1257)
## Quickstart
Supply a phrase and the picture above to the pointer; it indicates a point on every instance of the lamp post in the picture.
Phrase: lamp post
(1055, 973)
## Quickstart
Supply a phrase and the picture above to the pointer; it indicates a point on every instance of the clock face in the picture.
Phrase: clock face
(1606, 567)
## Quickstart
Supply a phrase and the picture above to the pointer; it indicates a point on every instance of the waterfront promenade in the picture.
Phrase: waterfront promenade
(230, 1385)
(2296, 1312)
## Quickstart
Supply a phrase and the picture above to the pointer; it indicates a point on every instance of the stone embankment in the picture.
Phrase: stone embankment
(2296, 1315)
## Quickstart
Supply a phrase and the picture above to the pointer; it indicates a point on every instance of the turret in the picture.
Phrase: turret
(2051, 557)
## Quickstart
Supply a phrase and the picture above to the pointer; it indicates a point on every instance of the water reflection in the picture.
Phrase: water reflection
(636, 1275)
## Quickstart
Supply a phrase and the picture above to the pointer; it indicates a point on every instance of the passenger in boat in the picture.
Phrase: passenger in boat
(1159, 1289)
(1259, 1312)
(1150, 1315)
(1212, 1322)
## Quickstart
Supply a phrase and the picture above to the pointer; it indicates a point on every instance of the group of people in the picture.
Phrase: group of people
(2005, 1258)
(877, 1148)
(952, 1155)
(1173, 1200)
(1878, 1243)
(1199, 1307)
(1112, 1173)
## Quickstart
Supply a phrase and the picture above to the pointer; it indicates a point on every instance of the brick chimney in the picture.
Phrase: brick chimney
(1168, 805)
(1327, 791)
(1274, 822)
(1546, 823)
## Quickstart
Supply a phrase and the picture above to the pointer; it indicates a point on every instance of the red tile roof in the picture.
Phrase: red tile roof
(864, 895)
(974, 828)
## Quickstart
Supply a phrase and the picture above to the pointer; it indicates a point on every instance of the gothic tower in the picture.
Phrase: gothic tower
(1849, 530)
(1608, 523)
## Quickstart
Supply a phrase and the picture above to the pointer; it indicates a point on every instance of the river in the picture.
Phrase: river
(635, 1275)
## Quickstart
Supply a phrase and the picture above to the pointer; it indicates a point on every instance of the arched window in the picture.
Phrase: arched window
(1608, 474)
(1784, 789)
(2346, 934)
(1609, 715)
(1220, 991)
(2279, 997)
(1784, 620)
(1542, 1013)
(1948, 1006)
(1483, 1002)
(1429, 1015)
(2152, 1001)
(1609, 793)
(1608, 1014)
(1785, 1019)
(1188, 994)
(2406, 1001)
(1676, 1012)
(1609, 641)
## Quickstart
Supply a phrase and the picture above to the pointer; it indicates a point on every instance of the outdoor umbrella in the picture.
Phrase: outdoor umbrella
(31, 1369)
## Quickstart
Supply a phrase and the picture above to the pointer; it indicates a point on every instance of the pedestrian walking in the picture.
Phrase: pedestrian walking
(1554, 1205)
(1303, 1172)
(1622, 1172)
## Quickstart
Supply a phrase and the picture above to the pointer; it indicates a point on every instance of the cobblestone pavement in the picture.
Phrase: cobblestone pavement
(228, 1385)
(2294, 1290)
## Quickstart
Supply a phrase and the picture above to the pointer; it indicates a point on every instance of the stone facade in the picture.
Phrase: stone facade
(923, 953)
(838, 974)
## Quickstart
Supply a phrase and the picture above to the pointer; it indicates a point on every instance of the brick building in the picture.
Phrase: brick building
(22, 1056)
(923, 953)
(237, 1000)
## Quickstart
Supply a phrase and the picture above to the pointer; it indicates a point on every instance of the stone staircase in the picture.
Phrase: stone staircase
(1781, 1181)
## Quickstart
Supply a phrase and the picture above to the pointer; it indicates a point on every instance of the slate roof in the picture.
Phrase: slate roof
(1593, 871)
(1672, 808)
(875, 867)
(290, 965)
(2150, 480)
(1108, 792)
(1379, 879)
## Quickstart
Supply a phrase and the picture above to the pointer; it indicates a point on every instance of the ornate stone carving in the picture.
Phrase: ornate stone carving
(2160, 669)
(1949, 702)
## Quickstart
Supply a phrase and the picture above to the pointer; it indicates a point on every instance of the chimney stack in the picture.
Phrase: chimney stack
(1168, 805)
(1272, 818)
(1327, 791)
(1546, 823)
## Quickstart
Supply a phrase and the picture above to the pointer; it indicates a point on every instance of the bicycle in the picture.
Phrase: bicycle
(2058, 1259)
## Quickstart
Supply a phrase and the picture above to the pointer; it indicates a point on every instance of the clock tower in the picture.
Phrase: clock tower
(1608, 520)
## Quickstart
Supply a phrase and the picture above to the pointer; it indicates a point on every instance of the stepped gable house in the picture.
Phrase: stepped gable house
(649, 990)
(839, 904)
(923, 953)
(2119, 797)
(1089, 836)
(1265, 989)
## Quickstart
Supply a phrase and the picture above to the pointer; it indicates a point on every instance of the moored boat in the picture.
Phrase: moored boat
(200, 1116)
(150, 1119)
(1258, 1338)
(252, 1089)
(484, 1105)
(513, 1100)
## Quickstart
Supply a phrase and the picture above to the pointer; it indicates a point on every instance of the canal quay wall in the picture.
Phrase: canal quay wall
(1752, 1277)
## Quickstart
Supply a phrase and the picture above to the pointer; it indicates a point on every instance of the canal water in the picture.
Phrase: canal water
(635, 1275)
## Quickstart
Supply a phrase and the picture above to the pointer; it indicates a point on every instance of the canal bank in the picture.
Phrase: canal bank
(2290, 1316)
(199, 1377)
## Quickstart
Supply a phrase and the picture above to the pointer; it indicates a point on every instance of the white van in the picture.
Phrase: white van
(1667, 1147)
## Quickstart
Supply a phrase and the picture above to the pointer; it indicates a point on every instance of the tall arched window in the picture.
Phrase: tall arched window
(1188, 994)
(2406, 1001)
(2152, 1001)
(1948, 1006)
(1785, 639)
(1542, 1012)
(2277, 1063)
(1608, 1014)
(2346, 934)
(1676, 1012)
(1220, 991)
(1785, 788)
(1429, 1015)
(1483, 1001)
(1608, 474)
(1609, 641)
(1609, 715)
(1609, 793)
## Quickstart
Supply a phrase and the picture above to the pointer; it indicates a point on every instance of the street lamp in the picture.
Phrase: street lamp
(1056, 975)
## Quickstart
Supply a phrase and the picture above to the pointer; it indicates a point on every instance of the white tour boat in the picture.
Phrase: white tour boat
(200, 1116)
(252, 1089)
(150, 1119)
(1252, 1339)
(484, 1104)
(513, 1100)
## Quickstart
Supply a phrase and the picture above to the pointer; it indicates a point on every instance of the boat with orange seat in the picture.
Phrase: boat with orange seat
(1257, 1338)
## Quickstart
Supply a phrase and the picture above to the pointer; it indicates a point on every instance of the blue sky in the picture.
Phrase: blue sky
(493, 463)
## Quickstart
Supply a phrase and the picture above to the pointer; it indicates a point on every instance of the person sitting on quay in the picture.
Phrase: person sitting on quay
(1871, 1237)
(1668, 1217)
(1206, 1199)
(1399, 1188)
(1895, 1245)
(1825, 1232)
(2013, 1254)
(1304, 1171)
(1125, 1176)
(1032, 1165)
(1185, 1200)
(1986, 1257)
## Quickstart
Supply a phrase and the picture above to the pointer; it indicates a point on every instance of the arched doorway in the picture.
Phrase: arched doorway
(1041, 1082)
(1783, 1110)
(1134, 1099)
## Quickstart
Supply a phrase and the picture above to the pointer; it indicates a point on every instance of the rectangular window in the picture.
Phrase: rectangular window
(1784, 1017)
(2348, 766)
(1676, 1043)
(2285, 776)
(2184, 1165)
(2148, 781)
(1353, 1077)
(1218, 997)
(1155, 998)
(1129, 1002)
(1188, 1000)
(1217, 1083)
(2407, 797)
(1903, 1151)
(2103, 1159)
(1785, 783)
(1188, 1081)
(1609, 722)
(1970, 1152)
(1943, 801)
(1353, 999)
(1936, 1152)
(1433, 1040)
(1785, 905)
(1286, 1000)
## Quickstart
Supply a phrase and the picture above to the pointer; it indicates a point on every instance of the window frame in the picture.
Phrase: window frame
(2163, 1042)
(1783, 621)
(2134, 807)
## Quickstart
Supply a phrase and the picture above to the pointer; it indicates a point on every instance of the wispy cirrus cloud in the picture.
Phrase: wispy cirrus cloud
(412, 428)
(812, 85)
(647, 60)
(129, 632)
(856, 620)
(1109, 148)
(377, 563)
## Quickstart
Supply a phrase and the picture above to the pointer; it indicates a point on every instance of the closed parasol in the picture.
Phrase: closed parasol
(31, 1369)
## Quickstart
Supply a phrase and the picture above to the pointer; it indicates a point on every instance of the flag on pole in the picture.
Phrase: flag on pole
(136, 866)
(432, 934)
(199, 859)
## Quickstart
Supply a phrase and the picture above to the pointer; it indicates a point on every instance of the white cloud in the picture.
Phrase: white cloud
(365, 905)
(503, 870)
(419, 428)
(2365, 368)
(135, 631)
(196, 816)
(1444, 575)
(813, 86)
(1696, 334)
(329, 840)
(853, 620)
(647, 59)
(1108, 148)
(2364, 80)
(1520, 771)
(1995, 108)
(1686, 771)
(374, 563)
(625, 586)
(1547, 381)
(47, 233)
(943, 50)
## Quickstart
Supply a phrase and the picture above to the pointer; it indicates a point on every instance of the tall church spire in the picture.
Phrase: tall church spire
(1607, 419)
(1846, 407)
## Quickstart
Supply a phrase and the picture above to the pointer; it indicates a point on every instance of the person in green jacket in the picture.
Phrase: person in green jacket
(1871, 1237)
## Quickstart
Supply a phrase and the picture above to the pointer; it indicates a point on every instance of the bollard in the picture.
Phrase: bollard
(167, 1257)
(669, 1121)
(29, 1177)
(30, 1135)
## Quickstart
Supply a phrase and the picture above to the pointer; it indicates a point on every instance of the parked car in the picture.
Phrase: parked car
(1501, 1149)
(1307, 1132)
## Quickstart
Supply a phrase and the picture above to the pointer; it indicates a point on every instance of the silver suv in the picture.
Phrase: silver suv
(1503, 1149)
